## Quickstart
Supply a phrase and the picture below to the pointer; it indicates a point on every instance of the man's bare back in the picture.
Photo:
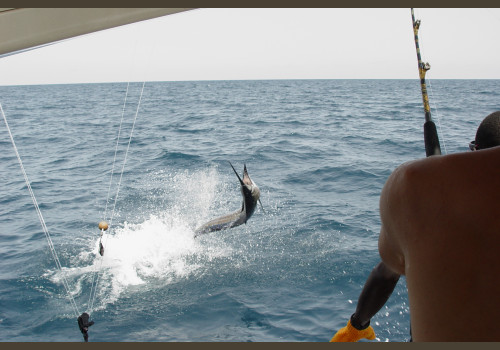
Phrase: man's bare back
(441, 229)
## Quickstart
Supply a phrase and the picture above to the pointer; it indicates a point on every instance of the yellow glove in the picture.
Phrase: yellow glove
(351, 334)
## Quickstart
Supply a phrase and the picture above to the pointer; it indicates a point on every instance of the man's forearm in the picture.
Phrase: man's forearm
(376, 291)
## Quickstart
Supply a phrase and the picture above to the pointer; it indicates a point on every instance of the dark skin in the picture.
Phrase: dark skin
(376, 291)
(441, 229)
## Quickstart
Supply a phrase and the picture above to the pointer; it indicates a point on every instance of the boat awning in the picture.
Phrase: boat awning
(23, 29)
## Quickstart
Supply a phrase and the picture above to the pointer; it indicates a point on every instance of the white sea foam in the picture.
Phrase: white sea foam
(158, 250)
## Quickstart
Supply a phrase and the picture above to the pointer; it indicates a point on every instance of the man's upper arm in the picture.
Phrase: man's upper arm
(392, 213)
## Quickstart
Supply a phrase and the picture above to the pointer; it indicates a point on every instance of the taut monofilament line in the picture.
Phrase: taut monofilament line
(40, 216)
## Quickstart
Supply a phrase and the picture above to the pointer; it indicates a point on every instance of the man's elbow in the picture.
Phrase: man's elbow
(387, 273)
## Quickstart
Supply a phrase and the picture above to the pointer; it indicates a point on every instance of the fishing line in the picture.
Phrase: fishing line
(40, 217)
(101, 248)
(93, 295)
(103, 224)
(116, 151)
(126, 152)
(98, 273)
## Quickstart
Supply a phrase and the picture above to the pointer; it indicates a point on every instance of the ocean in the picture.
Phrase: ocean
(319, 150)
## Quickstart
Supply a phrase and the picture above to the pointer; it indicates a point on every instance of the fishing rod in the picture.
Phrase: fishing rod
(431, 138)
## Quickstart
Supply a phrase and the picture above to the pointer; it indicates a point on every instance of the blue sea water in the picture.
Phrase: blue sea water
(320, 151)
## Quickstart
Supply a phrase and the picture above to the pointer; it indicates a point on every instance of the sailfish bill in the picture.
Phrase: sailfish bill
(251, 194)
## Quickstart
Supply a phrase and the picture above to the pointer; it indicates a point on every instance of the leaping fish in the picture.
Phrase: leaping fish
(251, 194)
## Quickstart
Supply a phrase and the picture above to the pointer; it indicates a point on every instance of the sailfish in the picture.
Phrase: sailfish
(251, 195)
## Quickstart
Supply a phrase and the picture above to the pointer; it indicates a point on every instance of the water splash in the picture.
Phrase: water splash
(159, 249)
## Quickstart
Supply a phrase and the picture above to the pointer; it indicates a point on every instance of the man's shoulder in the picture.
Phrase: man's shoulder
(435, 182)
(410, 176)
(440, 170)
(412, 189)
(428, 172)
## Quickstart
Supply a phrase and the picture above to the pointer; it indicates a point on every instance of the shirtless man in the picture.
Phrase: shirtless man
(441, 229)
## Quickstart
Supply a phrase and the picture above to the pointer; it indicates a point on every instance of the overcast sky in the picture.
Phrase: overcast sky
(226, 44)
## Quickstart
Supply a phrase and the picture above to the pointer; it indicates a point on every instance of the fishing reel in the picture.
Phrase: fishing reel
(425, 66)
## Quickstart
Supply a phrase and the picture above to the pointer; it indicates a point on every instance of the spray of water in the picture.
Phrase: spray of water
(160, 248)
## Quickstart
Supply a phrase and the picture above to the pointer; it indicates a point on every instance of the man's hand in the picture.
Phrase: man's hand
(351, 334)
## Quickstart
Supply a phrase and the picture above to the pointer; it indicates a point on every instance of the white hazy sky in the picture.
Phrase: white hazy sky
(227, 44)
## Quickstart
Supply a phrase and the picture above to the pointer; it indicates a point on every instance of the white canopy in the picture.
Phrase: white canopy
(24, 29)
